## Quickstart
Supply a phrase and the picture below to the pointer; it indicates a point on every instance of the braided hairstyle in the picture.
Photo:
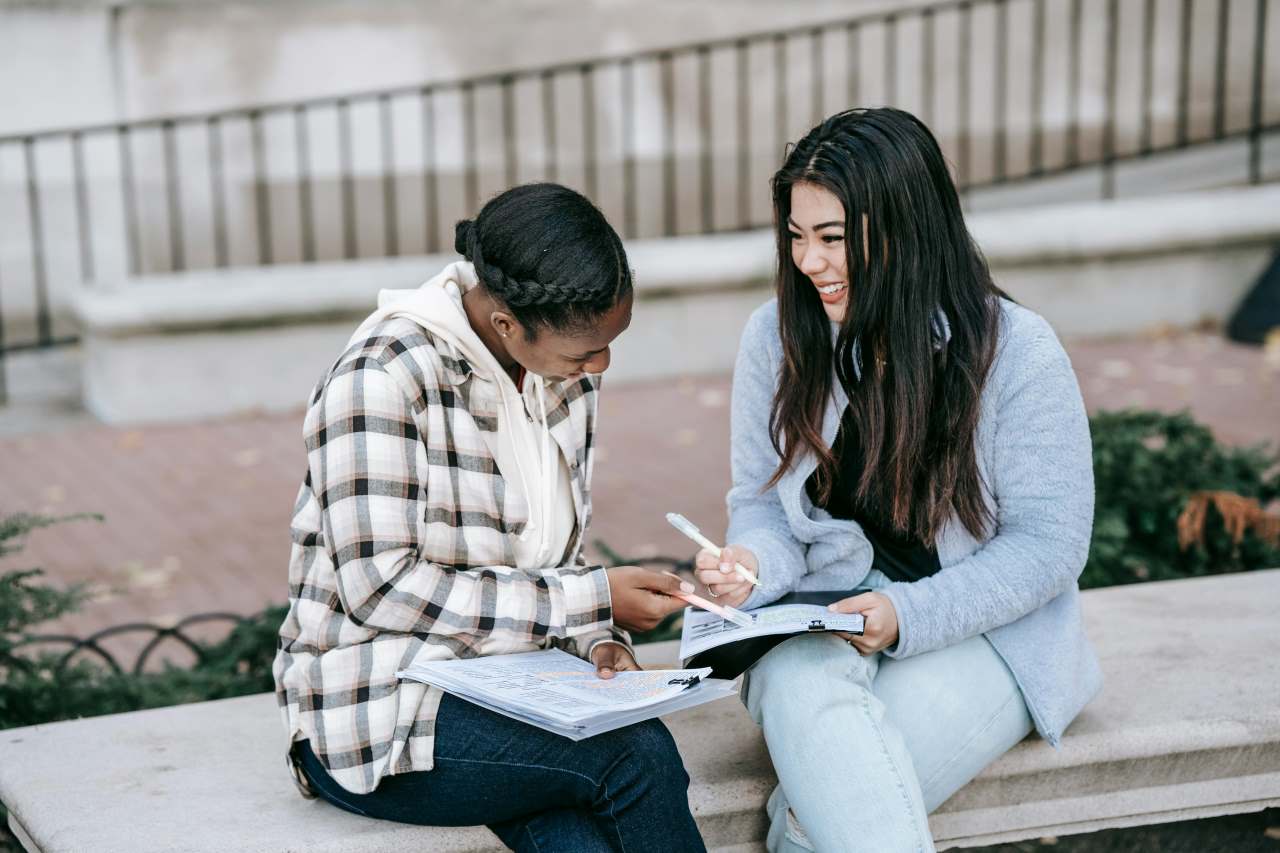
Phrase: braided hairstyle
(548, 254)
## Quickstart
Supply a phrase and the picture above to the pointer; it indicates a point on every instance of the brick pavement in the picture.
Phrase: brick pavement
(196, 515)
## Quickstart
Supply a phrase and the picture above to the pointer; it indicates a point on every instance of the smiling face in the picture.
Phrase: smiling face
(817, 225)
(558, 355)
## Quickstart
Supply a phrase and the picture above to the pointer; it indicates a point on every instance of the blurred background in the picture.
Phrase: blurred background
(200, 200)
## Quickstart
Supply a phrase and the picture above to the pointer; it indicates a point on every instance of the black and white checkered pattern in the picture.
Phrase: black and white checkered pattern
(402, 549)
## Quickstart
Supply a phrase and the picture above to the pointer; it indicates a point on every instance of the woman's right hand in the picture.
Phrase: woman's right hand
(641, 598)
(716, 572)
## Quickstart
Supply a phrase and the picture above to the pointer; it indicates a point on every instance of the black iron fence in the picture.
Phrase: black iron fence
(673, 141)
(100, 645)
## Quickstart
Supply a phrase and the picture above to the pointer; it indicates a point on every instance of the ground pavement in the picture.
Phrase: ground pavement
(196, 516)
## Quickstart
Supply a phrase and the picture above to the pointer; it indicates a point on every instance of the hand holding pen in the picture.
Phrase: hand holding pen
(714, 571)
(729, 614)
(730, 559)
(687, 527)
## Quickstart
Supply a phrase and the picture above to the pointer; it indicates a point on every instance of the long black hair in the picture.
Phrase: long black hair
(922, 321)
(548, 254)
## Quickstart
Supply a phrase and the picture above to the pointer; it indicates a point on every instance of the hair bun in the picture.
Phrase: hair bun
(462, 236)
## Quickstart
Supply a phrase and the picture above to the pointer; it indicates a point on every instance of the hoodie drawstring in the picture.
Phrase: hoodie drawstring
(538, 508)
(550, 476)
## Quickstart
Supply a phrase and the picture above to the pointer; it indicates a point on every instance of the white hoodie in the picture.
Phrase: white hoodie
(526, 454)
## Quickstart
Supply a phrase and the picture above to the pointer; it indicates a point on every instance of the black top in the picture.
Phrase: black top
(898, 557)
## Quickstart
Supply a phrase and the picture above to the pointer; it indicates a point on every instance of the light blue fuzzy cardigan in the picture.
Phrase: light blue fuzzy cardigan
(1018, 587)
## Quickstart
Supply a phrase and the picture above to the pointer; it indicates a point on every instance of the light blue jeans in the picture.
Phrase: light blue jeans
(866, 747)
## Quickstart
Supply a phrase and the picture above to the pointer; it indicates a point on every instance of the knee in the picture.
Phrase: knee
(648, 751)
(659, 753)
(794, 675)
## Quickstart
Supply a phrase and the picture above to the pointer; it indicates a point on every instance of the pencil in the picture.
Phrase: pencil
(724, 611)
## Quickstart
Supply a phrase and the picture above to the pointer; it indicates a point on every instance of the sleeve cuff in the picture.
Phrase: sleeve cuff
(775, 574)
(586, 600)
(901, 648)
(600, 641)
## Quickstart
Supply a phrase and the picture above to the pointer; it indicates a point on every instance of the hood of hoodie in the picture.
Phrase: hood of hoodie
(437, 307)
(526, 451)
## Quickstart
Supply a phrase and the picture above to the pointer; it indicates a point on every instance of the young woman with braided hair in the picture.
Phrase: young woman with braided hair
(901, 426)
(449, 457)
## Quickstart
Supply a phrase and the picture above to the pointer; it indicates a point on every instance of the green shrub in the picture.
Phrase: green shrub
(38, 687)
(1147, 465)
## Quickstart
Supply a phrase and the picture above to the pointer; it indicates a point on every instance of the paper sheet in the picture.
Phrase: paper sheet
(704, 630)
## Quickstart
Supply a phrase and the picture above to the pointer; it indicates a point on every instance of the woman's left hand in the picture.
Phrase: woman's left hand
(612, 657)
(881, 628)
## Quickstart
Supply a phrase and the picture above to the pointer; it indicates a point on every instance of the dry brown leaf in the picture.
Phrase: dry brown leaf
(1239, 515)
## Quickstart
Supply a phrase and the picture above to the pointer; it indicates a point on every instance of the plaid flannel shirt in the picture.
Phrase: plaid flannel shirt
(402, 550)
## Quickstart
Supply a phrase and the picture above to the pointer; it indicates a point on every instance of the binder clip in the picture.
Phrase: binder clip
(687, 682)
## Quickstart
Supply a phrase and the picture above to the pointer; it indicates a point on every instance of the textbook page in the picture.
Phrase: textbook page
(704, 630)
(555, 683)
(559, 692)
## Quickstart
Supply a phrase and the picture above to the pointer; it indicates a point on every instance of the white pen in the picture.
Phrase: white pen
(679, 522)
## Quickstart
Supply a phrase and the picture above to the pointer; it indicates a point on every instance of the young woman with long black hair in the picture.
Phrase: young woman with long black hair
(900, 426)
(446, 498)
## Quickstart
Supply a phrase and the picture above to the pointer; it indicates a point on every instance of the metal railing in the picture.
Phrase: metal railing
(673, 141)
(96, 647)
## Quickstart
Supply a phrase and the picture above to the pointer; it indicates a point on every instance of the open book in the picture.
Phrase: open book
(556, 691)
(729, 650)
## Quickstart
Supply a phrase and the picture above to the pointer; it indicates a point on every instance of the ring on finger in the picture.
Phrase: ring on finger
(714, 594)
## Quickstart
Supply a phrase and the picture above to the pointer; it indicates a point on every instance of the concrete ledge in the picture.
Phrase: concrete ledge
(213, 343)
(1132, 227)
(1188, 726)
(205, 344)
(287, 294)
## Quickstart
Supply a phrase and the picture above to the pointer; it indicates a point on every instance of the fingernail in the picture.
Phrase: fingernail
(832, 608)
(606, 669)
(685, 586)
(725, 568)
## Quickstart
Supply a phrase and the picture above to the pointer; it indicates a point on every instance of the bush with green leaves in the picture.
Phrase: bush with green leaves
(1147, 466)
(41, 686)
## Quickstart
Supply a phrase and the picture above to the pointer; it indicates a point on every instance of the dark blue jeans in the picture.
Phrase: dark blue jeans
(625, 790)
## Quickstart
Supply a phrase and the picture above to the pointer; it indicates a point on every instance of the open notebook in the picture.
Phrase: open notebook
(729, 649)
(556, 691)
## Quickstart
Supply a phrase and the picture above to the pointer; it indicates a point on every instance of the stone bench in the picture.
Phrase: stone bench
(1187, 726)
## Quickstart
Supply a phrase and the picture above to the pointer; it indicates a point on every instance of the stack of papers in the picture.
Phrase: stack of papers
(556, 691)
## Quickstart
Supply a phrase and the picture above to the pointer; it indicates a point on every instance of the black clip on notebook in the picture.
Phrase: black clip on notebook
(732, 659)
